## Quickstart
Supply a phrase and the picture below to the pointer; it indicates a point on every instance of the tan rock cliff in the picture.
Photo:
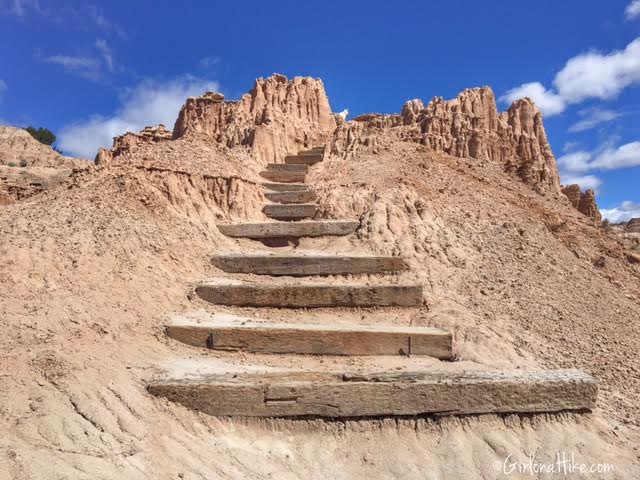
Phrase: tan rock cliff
(468, 126)
(277, 117)
(633, 225)
(130, 140)
(18, 147)
(584, 202)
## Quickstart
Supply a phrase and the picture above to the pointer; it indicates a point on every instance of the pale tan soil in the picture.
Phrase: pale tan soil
(91, 269)
(18, 147)
(28, 167)
(17, 183)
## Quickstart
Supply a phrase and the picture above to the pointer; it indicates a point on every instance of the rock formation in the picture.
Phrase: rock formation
(584, 202)
(125, 143)
(468, 126)
(28, 167)
(18, 147)
(633, 225)
(278, 116)
(91, 269)
(573, 193)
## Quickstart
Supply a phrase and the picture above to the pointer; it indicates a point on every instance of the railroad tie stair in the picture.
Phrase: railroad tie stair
(324, 394)
(266, 230)
(234, 333)
(431, 384)
(285, 173)
(308, 264)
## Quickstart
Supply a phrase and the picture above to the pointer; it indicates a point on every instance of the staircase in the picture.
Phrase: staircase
(434, 385)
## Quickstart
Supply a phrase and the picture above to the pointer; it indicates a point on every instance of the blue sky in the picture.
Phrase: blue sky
(89, 71)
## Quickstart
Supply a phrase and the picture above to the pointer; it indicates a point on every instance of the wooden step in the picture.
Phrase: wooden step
(302, 159)
(286, 187)
(289, 212)
(301, 265)
(317, 228)
(237, 333)
(312, 151)
(310, 295)
(336, 395)
(302, 196)
(284, 167)
(284, 177)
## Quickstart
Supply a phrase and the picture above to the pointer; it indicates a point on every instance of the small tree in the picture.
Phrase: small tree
(43, 135)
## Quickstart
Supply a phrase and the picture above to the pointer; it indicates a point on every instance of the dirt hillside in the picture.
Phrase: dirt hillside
(28, 167)
(91, 268)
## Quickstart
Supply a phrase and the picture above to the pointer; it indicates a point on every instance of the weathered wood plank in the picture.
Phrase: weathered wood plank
(289, 211)
(286, 187)
(311, 296)
(304, 159)
(312, 151)
(284, 177)
(314, 339)
(284, 167)
(318, 228)
(291, 197)
(293, 394)
(301, 265)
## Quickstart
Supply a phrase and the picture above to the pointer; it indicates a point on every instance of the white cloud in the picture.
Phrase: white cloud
(622, 213)
(588, 75)
(575, 161)
(105, 51)
(87, 67)
(570, 146)
(63, 15)
(548, 102)
(97, 15)
(592, 118)
(93, 66)
(3, 88)
(71, 62)
(604, 158)
(585, 181)
(209, 62)
(575, 166)
(148, 103)
(597, 75)
(627, 155)
(633, 10)
(19, 8)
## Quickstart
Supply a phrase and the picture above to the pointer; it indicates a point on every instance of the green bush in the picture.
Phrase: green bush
(43, 135)
(12, 164)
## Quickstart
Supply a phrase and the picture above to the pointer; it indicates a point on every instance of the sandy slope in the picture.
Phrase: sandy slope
(90, 269)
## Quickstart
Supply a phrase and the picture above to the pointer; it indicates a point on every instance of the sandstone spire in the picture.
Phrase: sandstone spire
(468, 126)
(584, 202)
(471, 126)
(276, 117)
(279, 116)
